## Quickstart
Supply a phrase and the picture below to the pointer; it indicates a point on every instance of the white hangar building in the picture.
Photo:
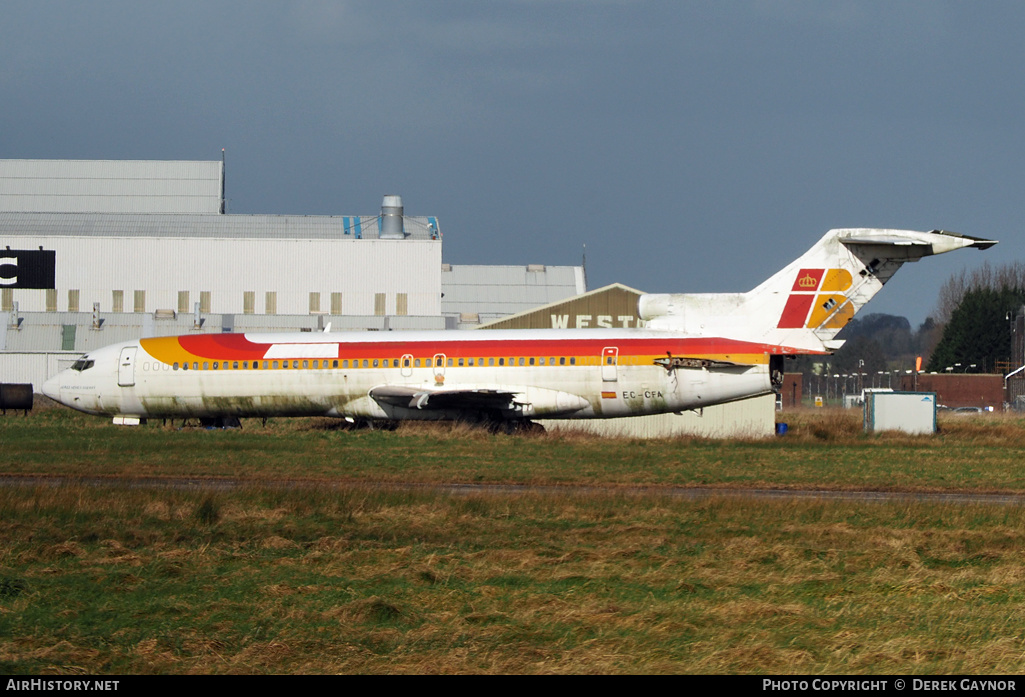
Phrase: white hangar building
(69, 247)
(96, 252)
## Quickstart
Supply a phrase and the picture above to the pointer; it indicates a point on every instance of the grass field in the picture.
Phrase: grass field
(352, 578)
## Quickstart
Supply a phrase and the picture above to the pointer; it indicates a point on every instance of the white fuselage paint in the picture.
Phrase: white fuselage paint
(158, 389)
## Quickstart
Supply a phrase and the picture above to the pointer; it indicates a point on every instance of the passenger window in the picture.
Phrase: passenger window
(572, 360)
(471, 362)
(501, 361)
(295, 365)
(427, 362)
(364, 362)
(234, 365)
(532, 360)
(176, 365)
(306, 364)
(562, 360)
(334, 364)
(206, 365)
(521, 360)
(449, 362)
(375, 362)
(216, 365)
(416, 363)
(491, 361)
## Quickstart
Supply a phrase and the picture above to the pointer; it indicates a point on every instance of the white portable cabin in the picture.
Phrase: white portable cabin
(911, 412)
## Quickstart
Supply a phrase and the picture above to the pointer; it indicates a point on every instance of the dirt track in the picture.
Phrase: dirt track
(228, 484)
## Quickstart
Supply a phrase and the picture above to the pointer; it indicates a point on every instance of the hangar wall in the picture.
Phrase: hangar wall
(265, 276)
(112, 186)
(747, 418)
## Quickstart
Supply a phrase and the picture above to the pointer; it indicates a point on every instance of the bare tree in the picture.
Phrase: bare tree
(1010, 275)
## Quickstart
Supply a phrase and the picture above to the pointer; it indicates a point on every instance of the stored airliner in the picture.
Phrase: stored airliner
(696, 350)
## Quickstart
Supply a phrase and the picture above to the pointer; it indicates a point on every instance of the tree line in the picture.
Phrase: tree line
(970, 330)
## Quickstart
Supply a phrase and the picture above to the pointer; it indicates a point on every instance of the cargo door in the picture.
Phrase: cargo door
(126, 366)
(610, 364)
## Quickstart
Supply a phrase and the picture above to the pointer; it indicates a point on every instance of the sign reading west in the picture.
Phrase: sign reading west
(28, 268)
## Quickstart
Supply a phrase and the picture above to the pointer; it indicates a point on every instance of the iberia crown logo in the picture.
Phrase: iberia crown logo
(808, 281)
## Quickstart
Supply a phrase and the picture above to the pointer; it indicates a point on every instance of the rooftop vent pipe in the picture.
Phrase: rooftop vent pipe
(391, 218)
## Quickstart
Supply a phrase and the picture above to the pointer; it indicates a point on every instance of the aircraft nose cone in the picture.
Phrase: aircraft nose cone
(51, 388)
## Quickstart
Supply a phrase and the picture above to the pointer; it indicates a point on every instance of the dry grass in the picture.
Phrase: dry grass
(134, 581)
(347, 579)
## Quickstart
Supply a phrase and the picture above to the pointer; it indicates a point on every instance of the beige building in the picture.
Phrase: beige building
(614, 306)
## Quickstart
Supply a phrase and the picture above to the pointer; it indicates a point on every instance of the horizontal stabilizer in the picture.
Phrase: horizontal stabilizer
(937, 241)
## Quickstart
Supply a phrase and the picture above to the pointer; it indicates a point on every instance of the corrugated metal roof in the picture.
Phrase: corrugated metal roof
(208, 225)
(111, 186)
(487, 290)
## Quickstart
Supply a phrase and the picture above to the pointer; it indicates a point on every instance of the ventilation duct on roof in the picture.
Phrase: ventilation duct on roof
(391, 218)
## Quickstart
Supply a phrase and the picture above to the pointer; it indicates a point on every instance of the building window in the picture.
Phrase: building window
(140, 301)
(204, 301)
(51, 300)
(8, 300)
(379, 304)
(270, 303)
(249, 302)
(401, 304)
(118, 304)
(183, 301)
(72, 301)
(314, 302)
(336, 303)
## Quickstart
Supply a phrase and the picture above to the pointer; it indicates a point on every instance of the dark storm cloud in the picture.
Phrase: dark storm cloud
(691, 146)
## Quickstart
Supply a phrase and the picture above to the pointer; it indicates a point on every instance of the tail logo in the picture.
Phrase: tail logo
(817, 299)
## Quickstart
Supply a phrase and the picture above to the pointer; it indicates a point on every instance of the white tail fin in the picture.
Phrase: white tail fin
(805, 305)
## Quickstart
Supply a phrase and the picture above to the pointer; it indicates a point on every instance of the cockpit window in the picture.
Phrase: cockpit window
(83, 363)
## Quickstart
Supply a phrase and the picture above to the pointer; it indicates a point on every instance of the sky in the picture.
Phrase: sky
(690, 146)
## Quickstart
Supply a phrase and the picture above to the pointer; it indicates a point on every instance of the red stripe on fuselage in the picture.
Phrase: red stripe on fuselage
(239, 347)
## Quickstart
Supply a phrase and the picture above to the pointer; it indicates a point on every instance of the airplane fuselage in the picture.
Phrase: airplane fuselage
(500, 375)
